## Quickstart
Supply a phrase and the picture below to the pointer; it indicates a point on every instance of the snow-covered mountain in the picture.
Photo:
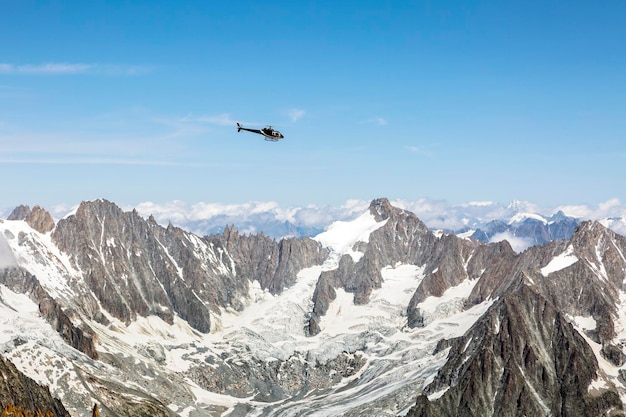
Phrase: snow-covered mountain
(377, 315)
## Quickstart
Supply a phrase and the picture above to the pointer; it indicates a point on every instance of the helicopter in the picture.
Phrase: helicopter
(269, 133)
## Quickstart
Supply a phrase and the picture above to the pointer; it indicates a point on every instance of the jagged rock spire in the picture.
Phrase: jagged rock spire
(37, 218)
(19, 213)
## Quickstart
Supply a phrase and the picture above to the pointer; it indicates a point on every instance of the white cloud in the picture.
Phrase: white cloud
(60, 211)
(417, 150)
(179, 211)
(436, 214)
(47, 68)
(517, 243)
(355, 206)
(479, 204)
(201, 210)
(64, 68)
(7, 259)
(296, 114)
(609, 208)
(618, 225)
(184, 215)
(312, 216)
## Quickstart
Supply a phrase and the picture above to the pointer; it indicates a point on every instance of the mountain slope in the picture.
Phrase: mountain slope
(19, 390)
(521, 358)
(524, 357)
(110, 308)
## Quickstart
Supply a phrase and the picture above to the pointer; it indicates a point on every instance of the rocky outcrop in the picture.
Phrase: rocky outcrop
(81, 338)
(19, 390)
(447, 261)
(136, 267)
(19, 213)
(274, 265)
(521, 358)
(455, 261)
(582, 276)
(40, 220)
(37, 218)
(402, 239)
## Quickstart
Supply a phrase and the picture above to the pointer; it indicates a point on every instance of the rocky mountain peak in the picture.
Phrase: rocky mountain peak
(98, 208)
(136, 267)
(37, 218)
(40, 220)
(559, 216)
(381, 209)
(19, 213)
(589, 232)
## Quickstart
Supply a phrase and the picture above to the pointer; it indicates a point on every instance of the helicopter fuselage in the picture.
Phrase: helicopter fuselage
(269, 133)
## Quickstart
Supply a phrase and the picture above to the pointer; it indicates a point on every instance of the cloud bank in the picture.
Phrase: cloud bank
(273, 219)
(436, 214)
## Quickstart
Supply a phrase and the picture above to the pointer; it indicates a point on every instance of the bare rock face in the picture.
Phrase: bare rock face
(521, 358)
(403, 238)
(136, 267)
(114, 270)
(19, 213)
(37, 218)
(274, 265)
(19, 390)
(40, 220)
(587, 284)
(455, 260)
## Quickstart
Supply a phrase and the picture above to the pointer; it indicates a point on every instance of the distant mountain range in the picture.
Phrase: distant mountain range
(379, 315)
(523, 224)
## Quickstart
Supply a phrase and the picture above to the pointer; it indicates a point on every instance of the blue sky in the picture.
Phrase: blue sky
(454, 100)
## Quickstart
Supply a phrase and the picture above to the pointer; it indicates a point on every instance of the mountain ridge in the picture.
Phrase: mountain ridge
(242, 324)
(523, 224)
